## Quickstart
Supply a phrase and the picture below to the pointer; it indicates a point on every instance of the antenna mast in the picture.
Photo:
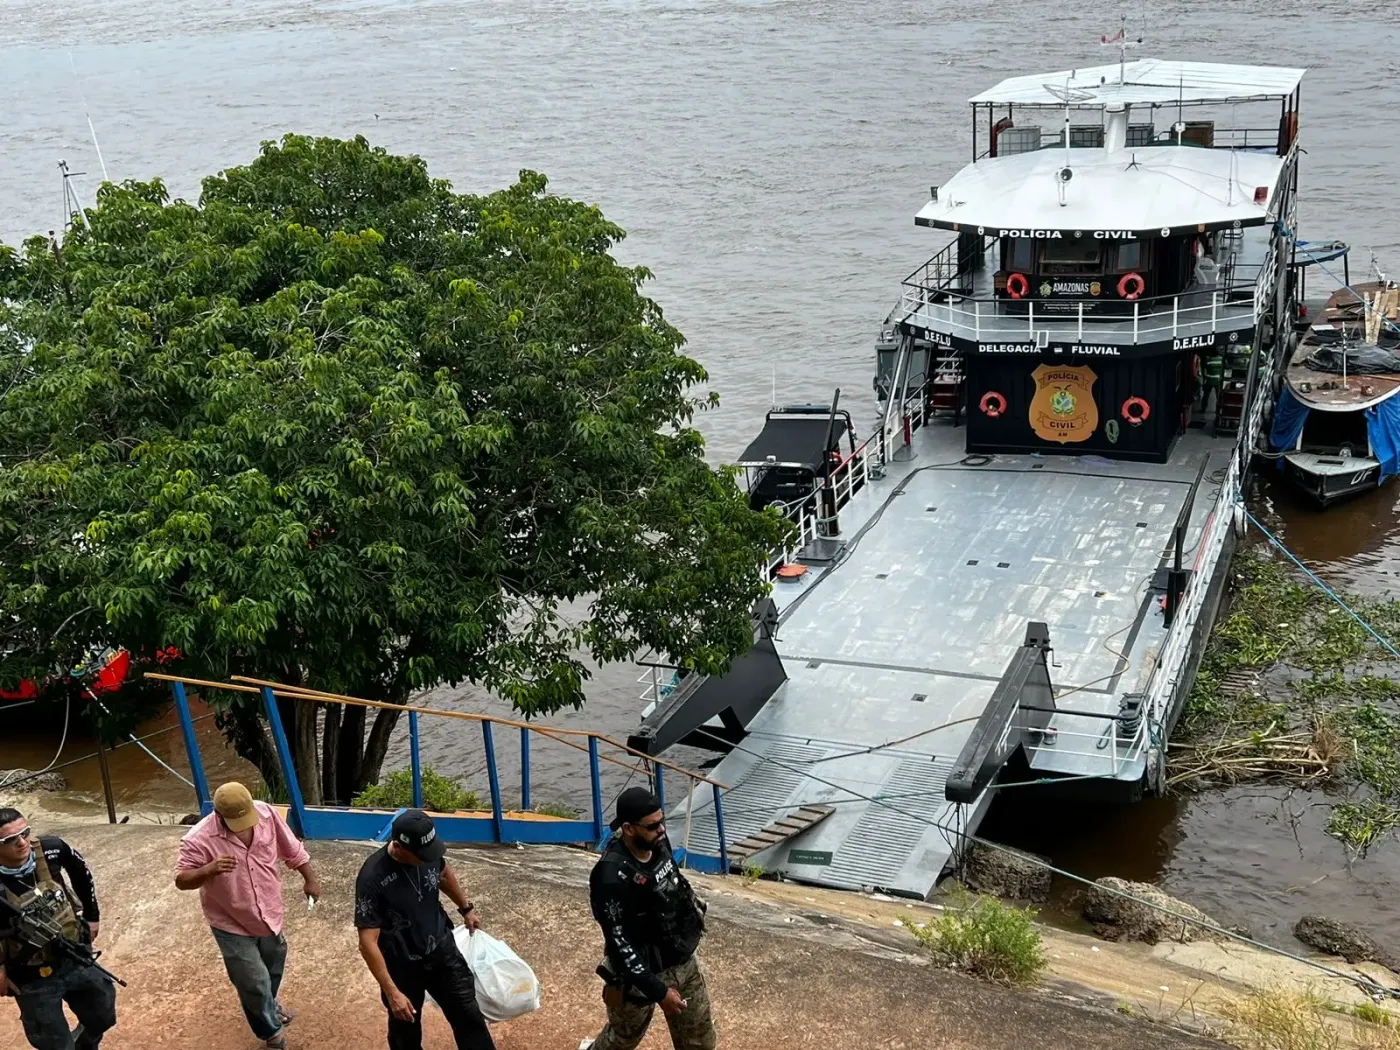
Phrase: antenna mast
(1070, 97)
(1121, 39)
(72, 206)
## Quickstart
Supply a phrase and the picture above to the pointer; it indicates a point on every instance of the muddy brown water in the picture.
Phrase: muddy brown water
(767, 157)
(1254, 854)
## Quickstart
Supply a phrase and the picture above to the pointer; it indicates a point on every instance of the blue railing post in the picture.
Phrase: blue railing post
(493, 777)
(719, 827)
(201, 786)
(284, 758)
(657, 786)
(524, 768)
(415, 760)
(597, 785)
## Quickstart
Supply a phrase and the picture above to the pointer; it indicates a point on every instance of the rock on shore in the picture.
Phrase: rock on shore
(1117, 918)
(23, 781)
(1007, 873)
(1340, 938)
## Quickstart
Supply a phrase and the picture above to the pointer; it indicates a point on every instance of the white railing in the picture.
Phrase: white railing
(659, 682)
(1175, 653)
(849, 476)
(1097, 745)
(986, 320)
(806, 521)
(1173, 657)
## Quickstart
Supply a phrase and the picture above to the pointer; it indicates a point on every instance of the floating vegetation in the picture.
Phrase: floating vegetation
(1359, 824)
(1292, 688)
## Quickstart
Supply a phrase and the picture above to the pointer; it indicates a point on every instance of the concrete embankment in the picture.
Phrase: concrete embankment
(789, 965)
(786, 970)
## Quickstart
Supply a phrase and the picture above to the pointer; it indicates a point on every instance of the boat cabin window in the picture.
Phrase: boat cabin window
(1071, 257)
(1019, 254)
(1128, 256)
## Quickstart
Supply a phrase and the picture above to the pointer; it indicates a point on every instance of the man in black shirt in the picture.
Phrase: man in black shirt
(406, 936)
(42, 981)
(652, 923)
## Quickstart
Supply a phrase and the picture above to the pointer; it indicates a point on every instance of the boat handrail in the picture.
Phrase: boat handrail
(976, 322)
(1244, 283)
(1265, 139)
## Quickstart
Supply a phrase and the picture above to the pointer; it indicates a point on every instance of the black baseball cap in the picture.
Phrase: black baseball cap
(414, 831)
(634, 804)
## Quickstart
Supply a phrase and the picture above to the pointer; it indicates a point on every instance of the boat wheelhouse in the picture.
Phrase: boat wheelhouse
(1093, 272)
(960, 610)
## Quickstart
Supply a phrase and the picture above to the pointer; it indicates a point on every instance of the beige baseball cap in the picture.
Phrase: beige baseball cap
(234, 803)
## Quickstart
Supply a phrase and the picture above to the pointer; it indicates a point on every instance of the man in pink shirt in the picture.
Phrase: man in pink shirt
(231, 858)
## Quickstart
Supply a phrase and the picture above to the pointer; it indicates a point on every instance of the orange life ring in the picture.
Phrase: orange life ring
(1017, 286)
(1133, 281)
(993, 404)
(1138, 417)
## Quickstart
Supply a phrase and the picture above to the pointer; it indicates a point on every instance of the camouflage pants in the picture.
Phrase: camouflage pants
(692, 1030)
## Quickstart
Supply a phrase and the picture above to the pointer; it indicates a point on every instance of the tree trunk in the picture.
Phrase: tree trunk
(251, 739)
(348, 751)
(330, 749)
(305, 752)
(376, 747)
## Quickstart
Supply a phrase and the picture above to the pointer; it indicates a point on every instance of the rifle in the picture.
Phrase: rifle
(35, 924)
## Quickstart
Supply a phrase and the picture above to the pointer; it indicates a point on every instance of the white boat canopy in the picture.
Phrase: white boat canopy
(1131, 192)
(1146, 81)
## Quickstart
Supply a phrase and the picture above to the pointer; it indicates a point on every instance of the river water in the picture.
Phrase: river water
(767, 159)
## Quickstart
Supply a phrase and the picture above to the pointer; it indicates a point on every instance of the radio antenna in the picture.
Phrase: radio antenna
(92, 130)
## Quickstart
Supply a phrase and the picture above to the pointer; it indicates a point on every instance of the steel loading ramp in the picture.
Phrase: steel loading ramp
(901, 846)
(889, 815)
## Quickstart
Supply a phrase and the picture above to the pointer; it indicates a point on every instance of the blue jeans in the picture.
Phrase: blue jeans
(92, 998)
(255, 966)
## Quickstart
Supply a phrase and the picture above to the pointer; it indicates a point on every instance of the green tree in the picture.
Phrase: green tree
(337, 424)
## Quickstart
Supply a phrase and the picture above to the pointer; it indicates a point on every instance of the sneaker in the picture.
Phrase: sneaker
(585, 1044)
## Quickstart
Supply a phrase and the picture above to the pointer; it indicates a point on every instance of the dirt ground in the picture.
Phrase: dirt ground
(782, 974)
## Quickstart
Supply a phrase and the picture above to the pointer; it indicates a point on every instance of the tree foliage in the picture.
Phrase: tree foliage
(338, 424)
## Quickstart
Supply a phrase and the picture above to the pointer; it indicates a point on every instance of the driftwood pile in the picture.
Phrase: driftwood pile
(1300, 757)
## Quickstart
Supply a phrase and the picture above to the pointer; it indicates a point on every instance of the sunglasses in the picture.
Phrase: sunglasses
(652, 826)
(10, 840)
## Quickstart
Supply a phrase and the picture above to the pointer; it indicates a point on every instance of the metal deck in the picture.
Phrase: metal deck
(908, 631)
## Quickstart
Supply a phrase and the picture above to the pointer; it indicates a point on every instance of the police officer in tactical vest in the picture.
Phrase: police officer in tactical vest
(652, 923)
(33, 870)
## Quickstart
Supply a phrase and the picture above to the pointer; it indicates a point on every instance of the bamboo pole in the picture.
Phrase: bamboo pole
(201, 682)
(255, 685)
(551, 731)
(630, 767)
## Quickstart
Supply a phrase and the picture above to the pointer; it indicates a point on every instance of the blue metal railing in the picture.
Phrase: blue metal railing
(344, 822)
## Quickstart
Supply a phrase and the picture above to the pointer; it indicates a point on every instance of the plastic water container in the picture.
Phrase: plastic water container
(1018, 140)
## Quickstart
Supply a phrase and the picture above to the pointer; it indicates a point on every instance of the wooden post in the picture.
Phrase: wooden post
(106, 782)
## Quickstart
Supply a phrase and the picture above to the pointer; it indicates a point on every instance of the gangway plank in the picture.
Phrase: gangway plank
(779, 831)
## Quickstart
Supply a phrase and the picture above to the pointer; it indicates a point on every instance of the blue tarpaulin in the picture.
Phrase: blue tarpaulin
(1383, 431)
(1289, 416)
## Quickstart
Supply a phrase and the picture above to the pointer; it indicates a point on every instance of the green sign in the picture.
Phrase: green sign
(809, 856)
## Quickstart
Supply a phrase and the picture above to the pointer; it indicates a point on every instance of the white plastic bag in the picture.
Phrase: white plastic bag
(506, 987)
